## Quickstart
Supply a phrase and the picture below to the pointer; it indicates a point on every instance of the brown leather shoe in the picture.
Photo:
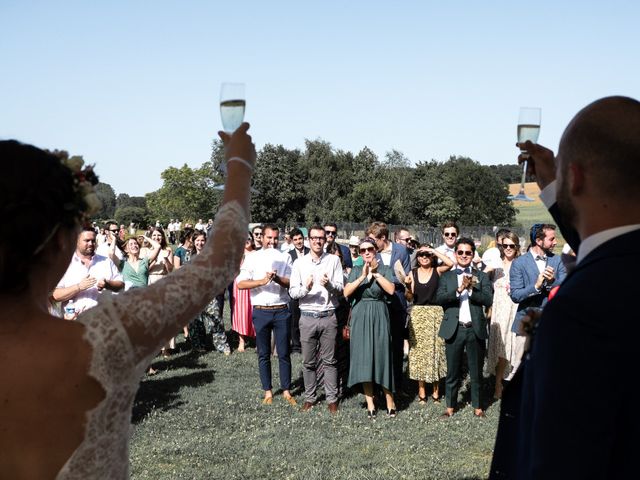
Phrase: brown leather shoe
(333, 407)
(306, 406)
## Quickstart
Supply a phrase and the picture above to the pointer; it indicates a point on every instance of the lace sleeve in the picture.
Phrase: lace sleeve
(152, 315)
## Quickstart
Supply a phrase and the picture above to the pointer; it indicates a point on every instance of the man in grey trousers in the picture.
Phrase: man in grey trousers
(317, 281)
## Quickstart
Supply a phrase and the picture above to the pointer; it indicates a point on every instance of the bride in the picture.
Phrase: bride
(68, 386)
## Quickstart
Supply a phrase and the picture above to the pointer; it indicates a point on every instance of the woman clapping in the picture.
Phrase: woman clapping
(370, 361)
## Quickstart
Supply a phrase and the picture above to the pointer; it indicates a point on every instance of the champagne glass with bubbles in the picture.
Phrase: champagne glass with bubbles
(528, 129)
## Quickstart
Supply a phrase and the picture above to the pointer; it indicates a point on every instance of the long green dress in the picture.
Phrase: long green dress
(370, 335)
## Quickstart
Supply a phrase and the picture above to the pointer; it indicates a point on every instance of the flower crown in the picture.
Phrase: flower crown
(86, 201)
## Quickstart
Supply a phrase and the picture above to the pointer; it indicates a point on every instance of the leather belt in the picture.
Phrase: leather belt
(317, 314)
(269, 307)
(466, 325)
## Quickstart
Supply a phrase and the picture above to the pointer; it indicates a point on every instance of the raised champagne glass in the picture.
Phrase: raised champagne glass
(528, 129)
(232, 107)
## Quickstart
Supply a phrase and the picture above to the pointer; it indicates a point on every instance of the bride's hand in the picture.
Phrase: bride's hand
(239, 144)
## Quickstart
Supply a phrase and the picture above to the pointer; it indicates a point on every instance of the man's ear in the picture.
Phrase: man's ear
(576, 178)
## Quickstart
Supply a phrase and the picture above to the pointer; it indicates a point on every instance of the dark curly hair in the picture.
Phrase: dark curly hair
(37, 197)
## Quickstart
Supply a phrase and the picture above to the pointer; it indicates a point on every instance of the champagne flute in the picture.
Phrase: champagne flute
(528, 129)
(232, 107)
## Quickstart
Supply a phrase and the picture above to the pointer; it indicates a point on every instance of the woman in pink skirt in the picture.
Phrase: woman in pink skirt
(242, 322)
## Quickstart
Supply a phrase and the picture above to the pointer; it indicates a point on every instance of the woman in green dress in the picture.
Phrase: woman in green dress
(370, 361)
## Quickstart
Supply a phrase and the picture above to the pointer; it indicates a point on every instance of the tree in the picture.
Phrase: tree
(397, 174)
(330, 177)
(431, 200)
(107, 196)
(280, 182)
(480, 194)
(186, 193)
(131, 214)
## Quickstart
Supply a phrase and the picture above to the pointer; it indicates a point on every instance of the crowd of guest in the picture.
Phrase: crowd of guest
(414, 311)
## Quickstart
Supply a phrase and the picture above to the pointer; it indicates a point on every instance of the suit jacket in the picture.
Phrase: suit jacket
(294, 253)
(522, 278)
(398, 253)
(481, 296)
(550, 426)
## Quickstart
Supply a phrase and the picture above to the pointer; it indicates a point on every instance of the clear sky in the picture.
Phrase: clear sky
(133, 86)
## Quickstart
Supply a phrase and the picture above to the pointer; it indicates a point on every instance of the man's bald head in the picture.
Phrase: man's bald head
(604, 139)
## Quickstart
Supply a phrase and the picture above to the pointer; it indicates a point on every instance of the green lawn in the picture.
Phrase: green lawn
(201, 417)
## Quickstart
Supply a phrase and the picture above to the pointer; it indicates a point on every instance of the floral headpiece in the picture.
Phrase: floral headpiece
(87, 202)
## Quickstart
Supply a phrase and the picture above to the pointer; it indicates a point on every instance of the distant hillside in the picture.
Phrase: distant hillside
(530, 212)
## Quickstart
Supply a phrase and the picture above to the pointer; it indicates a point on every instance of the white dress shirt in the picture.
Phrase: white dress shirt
(465, 312)
(318, 298)
(99, 268)
(255, 267)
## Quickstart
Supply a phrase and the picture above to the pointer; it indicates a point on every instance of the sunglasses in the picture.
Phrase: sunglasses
(367, 249)
(509, 245)
(113, 231)
(317, 239)
(257, 234)
(449, 234)
(330, 233)
(423, 254)
(465, 253)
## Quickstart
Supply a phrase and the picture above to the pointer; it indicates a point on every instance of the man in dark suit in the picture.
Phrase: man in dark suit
(534, 274)
(551, 425)
(298, 250)
(395, 256)
(463, 293)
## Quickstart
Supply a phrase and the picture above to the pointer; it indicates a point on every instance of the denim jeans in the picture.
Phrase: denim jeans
(278, 321)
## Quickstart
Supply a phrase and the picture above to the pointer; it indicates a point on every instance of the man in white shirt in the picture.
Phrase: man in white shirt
(266, 274)
(104, 248)
(316, 281)
(450, 232)
(88, 275)
(200, 226)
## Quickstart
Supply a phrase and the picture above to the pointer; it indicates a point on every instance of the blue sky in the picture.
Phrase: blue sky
(133, 86)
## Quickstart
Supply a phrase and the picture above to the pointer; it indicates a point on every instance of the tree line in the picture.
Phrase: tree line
(321, 184)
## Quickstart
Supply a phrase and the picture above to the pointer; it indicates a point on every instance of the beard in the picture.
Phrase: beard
(568, 212)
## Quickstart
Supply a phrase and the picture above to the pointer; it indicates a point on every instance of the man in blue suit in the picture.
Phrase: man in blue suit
(396, 256)
(552, 423)
(534, 274)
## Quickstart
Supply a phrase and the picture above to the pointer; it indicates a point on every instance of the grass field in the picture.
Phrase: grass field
(202, 418)
(530, 212)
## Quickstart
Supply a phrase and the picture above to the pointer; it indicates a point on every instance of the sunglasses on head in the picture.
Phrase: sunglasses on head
(464, 253)
(367, 249)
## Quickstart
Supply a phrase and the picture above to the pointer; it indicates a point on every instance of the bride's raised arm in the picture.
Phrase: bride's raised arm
(154, 314)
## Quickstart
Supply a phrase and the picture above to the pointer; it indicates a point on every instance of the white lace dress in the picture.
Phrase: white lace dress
(126, 331)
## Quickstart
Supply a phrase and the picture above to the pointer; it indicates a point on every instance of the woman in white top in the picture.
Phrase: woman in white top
(70, 417)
